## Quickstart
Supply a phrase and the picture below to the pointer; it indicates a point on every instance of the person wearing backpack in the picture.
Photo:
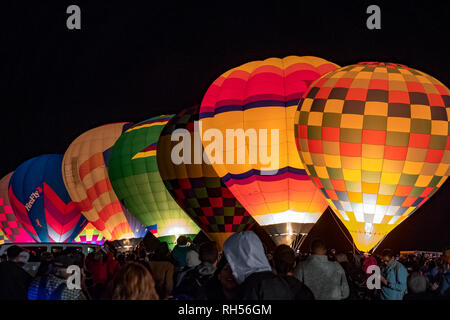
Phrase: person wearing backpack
(54, 285)
(393, 278)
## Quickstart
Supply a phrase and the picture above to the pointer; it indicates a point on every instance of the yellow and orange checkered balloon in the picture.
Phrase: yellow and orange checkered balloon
(263, 96)
(374, 137)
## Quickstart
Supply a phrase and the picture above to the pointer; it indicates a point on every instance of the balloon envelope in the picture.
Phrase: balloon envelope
(90, 235)
(194, 184)
(375, 139)
(260, 99)
(135, 177)
(85, 173)
(41, 202)
(9, 225)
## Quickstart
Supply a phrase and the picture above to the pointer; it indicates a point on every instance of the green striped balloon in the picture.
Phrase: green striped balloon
(134, 175)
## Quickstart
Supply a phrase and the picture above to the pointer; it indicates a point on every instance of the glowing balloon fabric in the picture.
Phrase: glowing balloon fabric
(375, 139)
(262, 96)
(90, 235)
(196, 186)
(3, 238)
(41, 202)
(135, 177)
(9, 224)
(85, 173)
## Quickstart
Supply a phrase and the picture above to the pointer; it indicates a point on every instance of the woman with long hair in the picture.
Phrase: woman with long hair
(134, 282)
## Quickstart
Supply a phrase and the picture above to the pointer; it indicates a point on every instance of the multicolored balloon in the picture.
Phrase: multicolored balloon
(135, 177)
(3, 238)
(375, 139)
(9, 224)
(41, 202)
(194, 184)
(260, 98)
(85, 174)
(90, 235)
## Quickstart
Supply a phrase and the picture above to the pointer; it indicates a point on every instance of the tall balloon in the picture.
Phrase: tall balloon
(256, 103)
(194, 184)
(9, 224)
(90, 235)
(41, 202)
(375, 139)
(135, 177)
(85, 174)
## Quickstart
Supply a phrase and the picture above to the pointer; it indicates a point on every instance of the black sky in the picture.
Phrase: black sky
(133, 60)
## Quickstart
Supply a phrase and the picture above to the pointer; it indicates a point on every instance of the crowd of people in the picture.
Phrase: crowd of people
(243, 271)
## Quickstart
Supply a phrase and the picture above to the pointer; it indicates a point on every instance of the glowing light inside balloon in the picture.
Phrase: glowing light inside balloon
(374, 138)
(288, 216)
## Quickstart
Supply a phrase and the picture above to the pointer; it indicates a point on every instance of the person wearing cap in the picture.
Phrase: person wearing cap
(54, 286)
(14, 281)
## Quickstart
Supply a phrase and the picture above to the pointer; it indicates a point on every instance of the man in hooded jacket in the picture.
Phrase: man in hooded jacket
(252, 271)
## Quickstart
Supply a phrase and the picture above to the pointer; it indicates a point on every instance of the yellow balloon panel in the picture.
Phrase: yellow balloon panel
(374, 137)
(85, 175)
(247, 122)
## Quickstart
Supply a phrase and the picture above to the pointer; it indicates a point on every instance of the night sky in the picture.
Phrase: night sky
(132, 61)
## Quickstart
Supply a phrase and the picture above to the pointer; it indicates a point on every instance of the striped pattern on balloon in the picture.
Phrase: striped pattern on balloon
(261, 97)
(136, 180)
(9, 224)
(41, 202)
(194, 184)
(85, 173)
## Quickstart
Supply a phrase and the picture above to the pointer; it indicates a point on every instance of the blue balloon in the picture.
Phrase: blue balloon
(41, 202)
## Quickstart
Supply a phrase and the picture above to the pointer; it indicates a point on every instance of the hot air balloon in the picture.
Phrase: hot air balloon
(375, 139)
(85, 174)
(194, 185)
(41, 202)
(135, 177)
(90, 235)
(9, 224)
(3, 238)
(256, 103)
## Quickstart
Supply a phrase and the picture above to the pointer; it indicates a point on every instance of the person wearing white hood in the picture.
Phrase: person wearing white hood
(245, 254)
